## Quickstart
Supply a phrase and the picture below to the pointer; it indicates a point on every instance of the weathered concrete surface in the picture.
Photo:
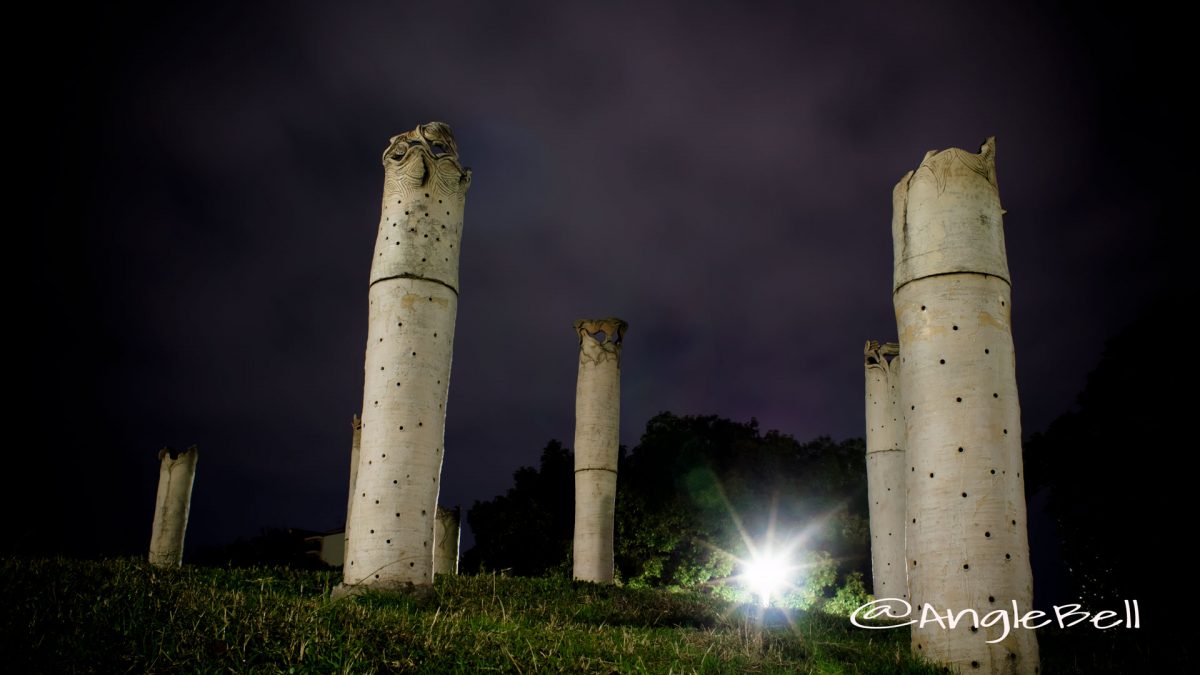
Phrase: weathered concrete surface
(445, 541)
(597, 431)
(413, 302)
(176, 475)
(355, 447)
(966, 544)
(885, 469)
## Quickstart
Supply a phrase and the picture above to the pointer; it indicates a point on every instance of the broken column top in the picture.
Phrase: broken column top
(600, 339)
(946, 217)
(179, 455)
(612, 327)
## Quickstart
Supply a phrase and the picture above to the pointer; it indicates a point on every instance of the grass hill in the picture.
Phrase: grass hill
(121, 615)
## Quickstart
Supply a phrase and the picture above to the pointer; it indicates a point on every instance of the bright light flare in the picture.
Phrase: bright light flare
(766, 575)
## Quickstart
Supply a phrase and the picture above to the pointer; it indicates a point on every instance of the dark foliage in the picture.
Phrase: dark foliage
(284, 547)
(1116, 472)
(683, 493)
(528, 530)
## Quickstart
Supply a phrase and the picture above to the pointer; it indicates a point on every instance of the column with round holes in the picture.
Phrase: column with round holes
(966, 545)
(176, 475)
(885, 469)
(597, 431)
(412, 304)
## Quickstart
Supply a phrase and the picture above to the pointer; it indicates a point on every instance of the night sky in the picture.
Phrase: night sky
(204, 187)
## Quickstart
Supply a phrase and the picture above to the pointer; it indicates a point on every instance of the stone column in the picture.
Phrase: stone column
(597, 439)
(966, 545)
(445, 541)
(355, 446)
(885, 469)
(176, 473)
(412, 305)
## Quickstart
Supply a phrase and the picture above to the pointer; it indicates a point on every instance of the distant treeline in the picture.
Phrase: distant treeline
(282, 546)
(693, 496)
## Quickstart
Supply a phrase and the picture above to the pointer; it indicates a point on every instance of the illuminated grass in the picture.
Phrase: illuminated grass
(63, 615)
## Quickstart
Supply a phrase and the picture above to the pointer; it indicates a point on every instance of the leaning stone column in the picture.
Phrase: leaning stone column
(885, 469)
(445, 541)
(413, 301)
(176, 473)
(355, 446)
(966, 544)
(597, 438)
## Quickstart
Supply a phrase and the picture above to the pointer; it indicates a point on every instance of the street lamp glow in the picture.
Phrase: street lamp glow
(766, 575)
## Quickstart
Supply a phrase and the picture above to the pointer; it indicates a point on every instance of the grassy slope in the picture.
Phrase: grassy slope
(62, 615)
(121, 615)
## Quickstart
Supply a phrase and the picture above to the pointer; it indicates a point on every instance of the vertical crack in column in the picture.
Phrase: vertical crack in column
(597, 438)
(966, 544)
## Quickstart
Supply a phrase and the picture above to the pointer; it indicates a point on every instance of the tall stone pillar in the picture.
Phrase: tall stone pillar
(885, 469)
(445, 541)
(966, 545)
(413, 301)
(355, 447)
(597, 439)
(176, 473)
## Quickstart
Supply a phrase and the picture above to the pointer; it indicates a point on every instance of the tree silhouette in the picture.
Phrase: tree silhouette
(686, 494)
(1117, 471)
(527, 531)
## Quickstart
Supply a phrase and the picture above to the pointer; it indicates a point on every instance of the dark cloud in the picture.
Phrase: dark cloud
(719, 176)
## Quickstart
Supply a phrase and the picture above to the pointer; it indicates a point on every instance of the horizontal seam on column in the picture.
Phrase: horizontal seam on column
(874, 452)
(417, 277)
(946, 274)
(595, 468)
